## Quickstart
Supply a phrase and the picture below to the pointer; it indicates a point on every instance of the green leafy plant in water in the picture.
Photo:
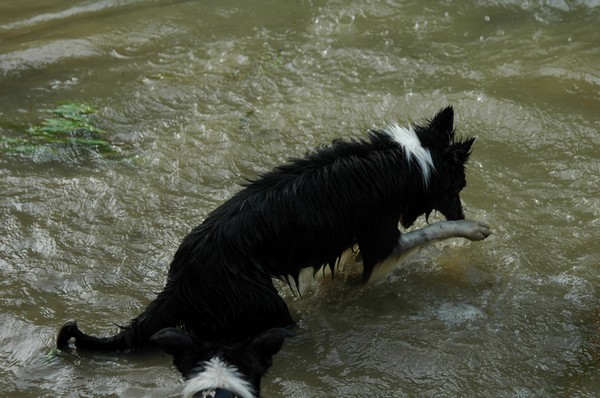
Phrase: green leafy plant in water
(68, 125)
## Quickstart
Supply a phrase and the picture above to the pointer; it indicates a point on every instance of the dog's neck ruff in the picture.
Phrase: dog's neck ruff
(411, 145)
(218, 375)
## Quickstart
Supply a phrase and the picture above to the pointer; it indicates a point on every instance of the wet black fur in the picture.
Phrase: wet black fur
(302, 214)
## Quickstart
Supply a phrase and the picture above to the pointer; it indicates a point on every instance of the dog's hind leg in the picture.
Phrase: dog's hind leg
(472, 230)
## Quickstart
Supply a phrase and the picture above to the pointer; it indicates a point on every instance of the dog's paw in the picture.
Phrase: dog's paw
(474, 230)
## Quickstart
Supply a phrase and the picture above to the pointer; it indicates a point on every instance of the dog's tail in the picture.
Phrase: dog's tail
(158, 315)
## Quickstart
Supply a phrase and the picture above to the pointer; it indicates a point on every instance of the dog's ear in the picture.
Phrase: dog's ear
(462, 150)
(185, 351)
(443, 122)
(439, 132)
(270, 342)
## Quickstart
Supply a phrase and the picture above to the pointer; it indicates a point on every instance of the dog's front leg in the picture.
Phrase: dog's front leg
(472, 230)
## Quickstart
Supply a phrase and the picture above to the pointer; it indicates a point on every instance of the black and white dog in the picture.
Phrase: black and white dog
(217, 371)
(305, 214)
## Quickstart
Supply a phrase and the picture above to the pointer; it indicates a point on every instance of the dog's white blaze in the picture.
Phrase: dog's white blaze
(409, 141)
(218, 374)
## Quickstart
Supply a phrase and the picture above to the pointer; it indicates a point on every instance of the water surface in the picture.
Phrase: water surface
(200, 94)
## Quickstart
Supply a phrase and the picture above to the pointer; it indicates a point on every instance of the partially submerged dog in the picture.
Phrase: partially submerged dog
(305, 214)
(217, 371)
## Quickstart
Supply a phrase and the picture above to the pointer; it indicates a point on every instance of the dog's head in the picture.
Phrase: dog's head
(214, 370)
(447, 179)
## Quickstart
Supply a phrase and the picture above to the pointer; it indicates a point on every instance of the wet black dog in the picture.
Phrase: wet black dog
(305, 214)
(216, 371)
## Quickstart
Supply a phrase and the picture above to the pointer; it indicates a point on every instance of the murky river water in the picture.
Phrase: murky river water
(200, 94)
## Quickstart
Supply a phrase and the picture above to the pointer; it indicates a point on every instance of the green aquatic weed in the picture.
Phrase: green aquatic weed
(67, 125)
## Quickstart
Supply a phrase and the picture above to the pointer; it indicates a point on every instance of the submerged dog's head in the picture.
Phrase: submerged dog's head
(441, 159)
(212, 370)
